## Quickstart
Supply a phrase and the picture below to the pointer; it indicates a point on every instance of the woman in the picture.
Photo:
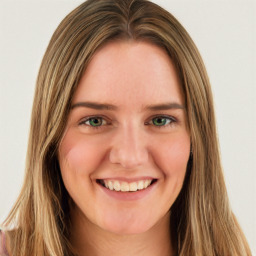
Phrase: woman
(123, 156)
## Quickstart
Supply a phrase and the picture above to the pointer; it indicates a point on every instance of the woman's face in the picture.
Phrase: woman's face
(125, 150)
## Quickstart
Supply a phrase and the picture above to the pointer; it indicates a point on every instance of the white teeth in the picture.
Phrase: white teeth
(125, 186)
(117, 186)
(133, 186)
(110, 185)
(140, 184)
(147, 183)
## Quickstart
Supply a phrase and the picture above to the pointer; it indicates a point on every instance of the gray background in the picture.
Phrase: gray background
(225, 33)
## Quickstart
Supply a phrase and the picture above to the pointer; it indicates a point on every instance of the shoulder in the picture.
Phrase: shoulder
(3, 250)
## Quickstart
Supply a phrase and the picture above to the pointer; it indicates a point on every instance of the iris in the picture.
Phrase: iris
(95, 121)
(159, 121)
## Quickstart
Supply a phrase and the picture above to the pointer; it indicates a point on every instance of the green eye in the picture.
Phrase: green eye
(161, 121)
(94, 121)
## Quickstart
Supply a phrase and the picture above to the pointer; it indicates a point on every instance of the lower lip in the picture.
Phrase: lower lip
(128, 196)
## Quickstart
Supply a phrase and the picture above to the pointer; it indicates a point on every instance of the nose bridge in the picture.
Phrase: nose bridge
(129, 147)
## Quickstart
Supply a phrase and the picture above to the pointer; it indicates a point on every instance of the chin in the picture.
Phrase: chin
(127, 224)
(127, 230)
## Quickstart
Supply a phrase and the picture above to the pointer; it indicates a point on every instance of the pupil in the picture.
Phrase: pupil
(159, 121)
(95, 122)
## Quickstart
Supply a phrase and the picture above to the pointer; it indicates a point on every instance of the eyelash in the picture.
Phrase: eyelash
(83, 122)
(170, 119)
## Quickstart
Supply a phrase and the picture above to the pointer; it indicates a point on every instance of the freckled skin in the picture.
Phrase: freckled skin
(129, 75)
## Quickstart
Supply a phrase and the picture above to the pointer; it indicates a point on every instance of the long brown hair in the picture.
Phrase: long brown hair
(201, 217)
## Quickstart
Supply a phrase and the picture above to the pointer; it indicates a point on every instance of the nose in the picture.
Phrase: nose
(128, 148)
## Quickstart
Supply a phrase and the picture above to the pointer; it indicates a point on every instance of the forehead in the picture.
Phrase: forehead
(130, 72)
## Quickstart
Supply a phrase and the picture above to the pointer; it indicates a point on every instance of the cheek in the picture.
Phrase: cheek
(173, 154)
(79, 155)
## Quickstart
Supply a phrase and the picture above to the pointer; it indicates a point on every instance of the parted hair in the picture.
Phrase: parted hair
(202, 222)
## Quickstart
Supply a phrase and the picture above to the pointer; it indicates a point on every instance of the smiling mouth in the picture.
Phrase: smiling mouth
(123, 186)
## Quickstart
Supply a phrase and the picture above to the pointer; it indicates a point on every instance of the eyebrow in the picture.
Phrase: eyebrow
(165, 106)
(102, 106)
(94, 105)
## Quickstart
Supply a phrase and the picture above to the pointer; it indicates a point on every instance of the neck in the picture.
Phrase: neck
(89, 239)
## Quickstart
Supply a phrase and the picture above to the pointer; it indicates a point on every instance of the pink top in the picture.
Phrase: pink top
(3, 250)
